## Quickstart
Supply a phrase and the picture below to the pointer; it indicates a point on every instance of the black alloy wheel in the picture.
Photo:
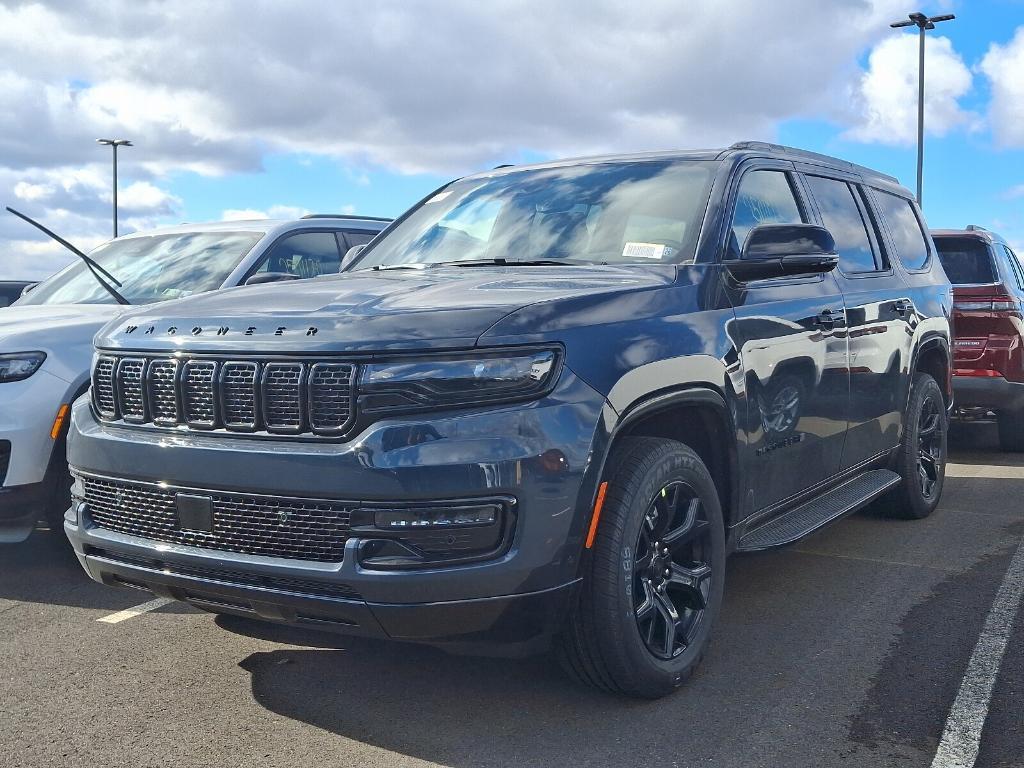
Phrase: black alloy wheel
(931, 446)
(671, 572)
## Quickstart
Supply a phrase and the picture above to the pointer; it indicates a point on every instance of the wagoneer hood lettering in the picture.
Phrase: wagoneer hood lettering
(366, 311)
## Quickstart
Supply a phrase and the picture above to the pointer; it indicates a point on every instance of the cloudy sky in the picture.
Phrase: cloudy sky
(242, 109)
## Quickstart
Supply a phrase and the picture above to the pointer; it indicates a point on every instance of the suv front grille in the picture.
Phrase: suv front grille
(252, 524)
(203, 393)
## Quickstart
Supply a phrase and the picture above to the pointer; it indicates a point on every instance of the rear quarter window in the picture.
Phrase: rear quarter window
(905, 228)
(967, 260)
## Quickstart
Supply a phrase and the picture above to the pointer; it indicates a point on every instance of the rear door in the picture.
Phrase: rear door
(877, 314)
(792, 346)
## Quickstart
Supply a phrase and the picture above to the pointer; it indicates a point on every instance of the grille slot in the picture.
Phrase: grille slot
(198, 403)
(260, 395)
(282, 396)
(238, 395)
(163, 391)
(103, 387)
(330, 397)
(130, 378)
(297, 529)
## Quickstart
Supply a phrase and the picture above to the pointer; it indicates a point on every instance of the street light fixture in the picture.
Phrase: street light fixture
(923, 23)
(115, 143)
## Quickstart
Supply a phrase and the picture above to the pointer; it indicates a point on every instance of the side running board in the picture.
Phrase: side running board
(798, 522)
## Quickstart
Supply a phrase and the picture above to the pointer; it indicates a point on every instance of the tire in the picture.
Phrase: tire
(921, 457)
(1011, 431)
(617, 635)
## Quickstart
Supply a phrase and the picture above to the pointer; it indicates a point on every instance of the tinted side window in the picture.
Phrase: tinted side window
(1015, 265)
(305, 254)
(841, 216)
(903, 225)
(765, 197)
(358, 238)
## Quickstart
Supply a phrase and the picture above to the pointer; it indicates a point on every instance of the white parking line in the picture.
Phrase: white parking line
(961, 737)
(130, 613)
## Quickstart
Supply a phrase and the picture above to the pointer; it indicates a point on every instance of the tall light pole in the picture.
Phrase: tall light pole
(115, 143)
(923, 23)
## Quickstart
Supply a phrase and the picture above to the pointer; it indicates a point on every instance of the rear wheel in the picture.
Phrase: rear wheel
(653, 586)
(1011, 430)
(921, 457)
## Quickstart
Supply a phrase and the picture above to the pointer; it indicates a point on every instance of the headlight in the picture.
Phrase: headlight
(20, 365)
(456, 380)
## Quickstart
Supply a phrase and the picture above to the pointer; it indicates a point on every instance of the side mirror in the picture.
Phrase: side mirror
(270, 277)
(28, 288)
(782, 250)
(350, 256)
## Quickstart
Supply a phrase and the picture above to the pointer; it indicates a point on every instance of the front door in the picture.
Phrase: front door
(790, 338)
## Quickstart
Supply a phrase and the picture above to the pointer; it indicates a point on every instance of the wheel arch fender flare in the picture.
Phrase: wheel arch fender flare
(701, 396)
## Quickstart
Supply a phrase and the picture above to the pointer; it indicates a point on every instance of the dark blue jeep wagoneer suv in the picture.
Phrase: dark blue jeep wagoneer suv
(541, 408)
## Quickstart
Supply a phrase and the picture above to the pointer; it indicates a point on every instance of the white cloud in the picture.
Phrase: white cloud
(444, 87)
(885, 100)
(274, 212)
(1003, 65)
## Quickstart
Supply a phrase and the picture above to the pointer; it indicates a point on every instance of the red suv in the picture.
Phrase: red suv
(988, 291)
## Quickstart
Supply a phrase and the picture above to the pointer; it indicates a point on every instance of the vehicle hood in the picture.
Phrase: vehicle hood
(439, 307)
(63, 331)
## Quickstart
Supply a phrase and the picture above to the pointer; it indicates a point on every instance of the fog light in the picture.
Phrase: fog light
(452, 517)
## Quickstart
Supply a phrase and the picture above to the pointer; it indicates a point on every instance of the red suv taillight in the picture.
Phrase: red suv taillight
(1000, 305)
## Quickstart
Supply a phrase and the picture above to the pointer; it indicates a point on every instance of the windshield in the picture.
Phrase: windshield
(150, 268)
(966, 260)
(644, 212)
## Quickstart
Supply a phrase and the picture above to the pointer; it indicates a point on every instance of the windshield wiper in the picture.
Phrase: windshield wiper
(386, 267)
(91, 263)
(500, 262)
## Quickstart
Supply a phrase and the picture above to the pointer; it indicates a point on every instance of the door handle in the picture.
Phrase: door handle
(903, 306)
(829, 318)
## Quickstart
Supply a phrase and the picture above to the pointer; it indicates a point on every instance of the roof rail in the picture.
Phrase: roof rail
(344, 216)
(976, 228)
(782, 149)
(503, 165)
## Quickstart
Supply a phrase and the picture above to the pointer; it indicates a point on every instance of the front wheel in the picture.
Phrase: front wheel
(921, 456)
(653, 586)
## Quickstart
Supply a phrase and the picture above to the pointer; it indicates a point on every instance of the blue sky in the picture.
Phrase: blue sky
(257, 108)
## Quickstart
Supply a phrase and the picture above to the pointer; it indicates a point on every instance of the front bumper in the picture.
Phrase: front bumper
(19, 510)
(536, 453)
(991, 392)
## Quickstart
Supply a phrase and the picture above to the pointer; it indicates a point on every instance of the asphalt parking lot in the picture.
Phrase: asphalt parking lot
(849, 648)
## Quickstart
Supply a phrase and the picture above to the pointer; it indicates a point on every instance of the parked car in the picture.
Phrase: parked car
(46, 336)
(11, 290)
(988, 359)
(548, 401)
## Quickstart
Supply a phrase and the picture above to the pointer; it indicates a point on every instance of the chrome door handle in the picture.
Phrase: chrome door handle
(828, 318)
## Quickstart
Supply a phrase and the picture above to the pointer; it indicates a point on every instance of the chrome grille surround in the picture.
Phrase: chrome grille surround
(130, 380)
(253, 524)
(239, 385)
(330, 401)
(267, 395)
(103, 386)
(198, 401)
(163, 392)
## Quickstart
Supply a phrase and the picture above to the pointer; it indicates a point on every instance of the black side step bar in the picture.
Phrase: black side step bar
(798, 522)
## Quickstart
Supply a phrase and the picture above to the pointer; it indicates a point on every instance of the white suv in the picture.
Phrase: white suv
(46, 336)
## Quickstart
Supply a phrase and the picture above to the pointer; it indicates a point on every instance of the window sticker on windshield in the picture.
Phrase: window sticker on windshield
(647, 251)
